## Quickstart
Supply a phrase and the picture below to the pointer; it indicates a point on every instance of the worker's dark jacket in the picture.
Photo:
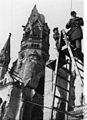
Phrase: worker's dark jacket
(75, 32)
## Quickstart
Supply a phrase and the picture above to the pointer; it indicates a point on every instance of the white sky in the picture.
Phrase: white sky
(15, 13)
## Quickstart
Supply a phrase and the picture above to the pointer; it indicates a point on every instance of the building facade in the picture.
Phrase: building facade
(27, 75)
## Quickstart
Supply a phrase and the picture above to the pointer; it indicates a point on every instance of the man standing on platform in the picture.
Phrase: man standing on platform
(75, 33)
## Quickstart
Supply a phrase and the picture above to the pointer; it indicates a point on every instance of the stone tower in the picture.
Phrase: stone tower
(5, 58)
(32, 58)
(30, 68)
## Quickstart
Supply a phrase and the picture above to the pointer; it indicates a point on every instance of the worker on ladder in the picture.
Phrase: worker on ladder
(56, 37)
(75, 33)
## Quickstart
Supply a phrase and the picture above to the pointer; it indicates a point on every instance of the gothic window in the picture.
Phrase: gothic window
(36, 31)
(35, 45)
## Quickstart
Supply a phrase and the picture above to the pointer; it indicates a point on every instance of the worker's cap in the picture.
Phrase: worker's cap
(55, 29)
(73, 13)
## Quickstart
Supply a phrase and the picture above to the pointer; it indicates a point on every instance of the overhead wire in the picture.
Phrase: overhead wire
(71, 6)
(42, 105)
(39, 105)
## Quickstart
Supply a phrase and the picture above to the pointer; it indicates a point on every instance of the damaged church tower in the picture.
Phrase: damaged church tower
(26, 98)
(31, 64)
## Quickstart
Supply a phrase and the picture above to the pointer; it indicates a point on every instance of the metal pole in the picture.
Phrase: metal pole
(71, 6)
(54, 89)
(52, 79)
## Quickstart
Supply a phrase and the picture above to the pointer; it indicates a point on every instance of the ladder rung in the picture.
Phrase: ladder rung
(80, 69)
(15, 75)
(62, 88)
(64, 47)
(79, 62)
(67, 70)
(13, 71)
(62, 111)
(62, 98)
(63, 78)
(58, 109)
(16, 79)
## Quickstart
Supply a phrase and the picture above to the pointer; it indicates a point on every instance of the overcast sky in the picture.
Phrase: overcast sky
(15, 13)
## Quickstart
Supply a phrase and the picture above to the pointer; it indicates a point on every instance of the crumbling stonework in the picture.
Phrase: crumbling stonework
(28, 71)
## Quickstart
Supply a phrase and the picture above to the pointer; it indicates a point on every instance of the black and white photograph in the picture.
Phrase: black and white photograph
(42, 60)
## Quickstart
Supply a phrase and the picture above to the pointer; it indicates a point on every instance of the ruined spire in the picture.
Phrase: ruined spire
(33, 18)
(34, 15)
(5, 52)
(36, 30)
(6, 47)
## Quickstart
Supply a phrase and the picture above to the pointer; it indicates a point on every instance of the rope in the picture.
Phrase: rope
(71, 6)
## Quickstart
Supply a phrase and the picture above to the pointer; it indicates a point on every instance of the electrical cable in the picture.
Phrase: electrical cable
(39, 105)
